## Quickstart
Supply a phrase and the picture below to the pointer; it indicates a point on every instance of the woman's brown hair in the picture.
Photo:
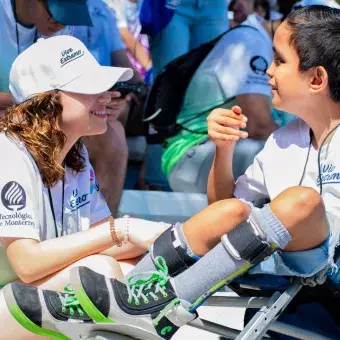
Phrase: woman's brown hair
(36, 123)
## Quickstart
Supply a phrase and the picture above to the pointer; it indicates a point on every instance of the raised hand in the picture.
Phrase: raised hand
(224, 126)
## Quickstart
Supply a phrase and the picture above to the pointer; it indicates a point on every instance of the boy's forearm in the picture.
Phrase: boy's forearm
(221, 182)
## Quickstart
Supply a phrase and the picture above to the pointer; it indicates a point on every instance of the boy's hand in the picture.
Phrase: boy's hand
(224, 126)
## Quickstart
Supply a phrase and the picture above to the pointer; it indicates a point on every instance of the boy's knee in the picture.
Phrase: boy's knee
(300, 201)
(301, 211)
(236, 208)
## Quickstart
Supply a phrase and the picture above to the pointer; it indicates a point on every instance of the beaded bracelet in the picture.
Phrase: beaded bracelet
(115, 239)
(126, 229)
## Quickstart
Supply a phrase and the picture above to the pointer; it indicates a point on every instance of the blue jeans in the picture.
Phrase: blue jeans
(154, 174)
(195, 22)
(191, 173)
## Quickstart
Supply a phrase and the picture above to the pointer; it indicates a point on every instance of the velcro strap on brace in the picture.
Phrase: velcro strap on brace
(168, 246)
(247, 242)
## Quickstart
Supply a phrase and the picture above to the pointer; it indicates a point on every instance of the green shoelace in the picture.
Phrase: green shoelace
(70, 302)
(144, 286)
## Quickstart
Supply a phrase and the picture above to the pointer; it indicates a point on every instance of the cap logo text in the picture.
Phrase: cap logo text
(70, 55)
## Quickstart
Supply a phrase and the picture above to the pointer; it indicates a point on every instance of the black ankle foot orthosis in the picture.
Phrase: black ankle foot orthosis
(168, 246)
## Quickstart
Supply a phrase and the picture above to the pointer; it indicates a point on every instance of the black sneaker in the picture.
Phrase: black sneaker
(43, 311)
(144, 301)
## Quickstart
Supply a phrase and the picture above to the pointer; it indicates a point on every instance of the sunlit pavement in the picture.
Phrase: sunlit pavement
(230, 317)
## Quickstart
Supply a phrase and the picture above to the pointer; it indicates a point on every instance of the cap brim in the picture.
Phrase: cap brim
(99, 80)
(67, 12)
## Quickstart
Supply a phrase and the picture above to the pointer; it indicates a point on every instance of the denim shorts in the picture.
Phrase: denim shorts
(306, 263)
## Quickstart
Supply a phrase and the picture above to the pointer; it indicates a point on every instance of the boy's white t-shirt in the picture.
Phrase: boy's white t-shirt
(25, 210)
(11, 44)
(284, 163)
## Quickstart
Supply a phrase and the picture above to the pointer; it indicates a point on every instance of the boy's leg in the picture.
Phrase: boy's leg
(299, 209)
(205, 226)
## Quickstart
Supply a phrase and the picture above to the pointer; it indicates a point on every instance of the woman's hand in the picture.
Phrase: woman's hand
(142, 233)
(224, 126)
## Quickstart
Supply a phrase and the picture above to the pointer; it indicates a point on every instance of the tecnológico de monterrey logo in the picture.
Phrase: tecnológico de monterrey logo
(13, 196)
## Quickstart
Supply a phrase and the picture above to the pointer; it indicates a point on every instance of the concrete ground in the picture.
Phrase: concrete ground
(230, 317)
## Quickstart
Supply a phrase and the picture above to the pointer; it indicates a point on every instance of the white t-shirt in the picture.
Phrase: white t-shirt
(10, 46)
(25, 210)
(236, 65)
(280, 165)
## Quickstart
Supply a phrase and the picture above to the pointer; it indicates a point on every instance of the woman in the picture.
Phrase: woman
(52, 214)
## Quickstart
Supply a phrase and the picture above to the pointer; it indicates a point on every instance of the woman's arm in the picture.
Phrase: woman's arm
(32, 260)
(141, 234)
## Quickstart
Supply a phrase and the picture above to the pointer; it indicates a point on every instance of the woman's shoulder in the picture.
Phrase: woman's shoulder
(14, 154)
(12, 146)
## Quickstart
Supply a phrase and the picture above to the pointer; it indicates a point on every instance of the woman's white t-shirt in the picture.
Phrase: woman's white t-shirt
(25, 209)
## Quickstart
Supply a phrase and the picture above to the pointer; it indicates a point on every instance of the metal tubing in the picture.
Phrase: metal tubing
(215, 328)
(237, 302)
(262, 320)
(296, 332)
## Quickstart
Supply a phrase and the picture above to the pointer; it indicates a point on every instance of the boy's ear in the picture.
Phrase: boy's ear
(319, 79)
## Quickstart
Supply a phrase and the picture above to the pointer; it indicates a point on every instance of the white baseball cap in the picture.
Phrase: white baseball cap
(64, 63)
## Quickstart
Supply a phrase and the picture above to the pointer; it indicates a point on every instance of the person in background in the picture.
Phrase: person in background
(264, 11)
(20, 23)
(194, 22)
(137, 44)
(243, 8)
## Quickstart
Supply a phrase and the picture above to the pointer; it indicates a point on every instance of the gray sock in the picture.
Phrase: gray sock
(147, 264)
(216, 268)
(144, 265)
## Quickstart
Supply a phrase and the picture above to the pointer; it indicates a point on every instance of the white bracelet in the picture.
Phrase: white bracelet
(126, 229)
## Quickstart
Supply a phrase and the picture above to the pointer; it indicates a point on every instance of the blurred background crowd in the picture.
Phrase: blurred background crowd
(228, 67)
